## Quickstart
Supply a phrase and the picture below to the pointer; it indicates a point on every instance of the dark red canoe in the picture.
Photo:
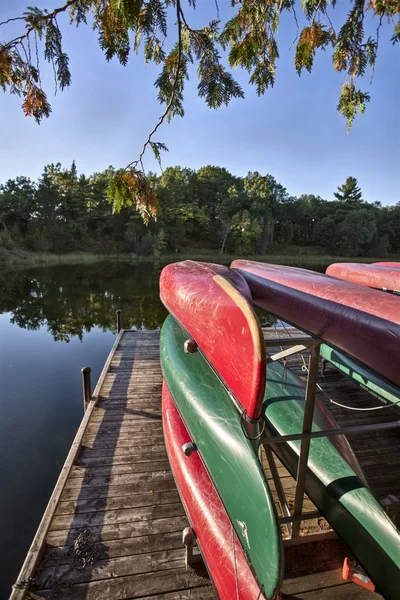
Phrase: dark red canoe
(363, 323)
(216, 537)
(381, 277)
(212, 303)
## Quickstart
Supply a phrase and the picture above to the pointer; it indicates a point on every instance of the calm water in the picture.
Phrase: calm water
(53, 321)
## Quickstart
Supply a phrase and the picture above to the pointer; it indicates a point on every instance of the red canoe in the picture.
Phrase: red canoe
(381, 277)
(363, 323)
(212, 303)
(216, 537)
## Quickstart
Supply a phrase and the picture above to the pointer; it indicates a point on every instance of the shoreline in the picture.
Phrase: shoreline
(9, 258)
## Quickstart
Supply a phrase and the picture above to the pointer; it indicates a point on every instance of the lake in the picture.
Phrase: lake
(53, 321)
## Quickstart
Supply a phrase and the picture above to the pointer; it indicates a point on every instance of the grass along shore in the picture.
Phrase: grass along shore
(20, 258)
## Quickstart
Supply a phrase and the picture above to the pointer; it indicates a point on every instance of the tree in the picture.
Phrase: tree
(349, 192)
(265, 199)
(17, 203)
(356, 232)
(248, 39)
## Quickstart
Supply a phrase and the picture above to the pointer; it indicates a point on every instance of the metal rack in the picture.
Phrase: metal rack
(295, 345)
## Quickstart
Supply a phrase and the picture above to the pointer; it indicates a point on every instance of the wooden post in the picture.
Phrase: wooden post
(119, 320)
(86, 386)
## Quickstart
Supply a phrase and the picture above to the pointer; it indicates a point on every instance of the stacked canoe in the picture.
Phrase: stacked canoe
(222, 398)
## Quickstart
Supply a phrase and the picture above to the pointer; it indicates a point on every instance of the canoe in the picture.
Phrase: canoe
(333, 486)
(216, 538)
(365, 378)
(361, 322)
(230, 460)
(215, 425)
(384, 276)
(379, 276)
(211, 302)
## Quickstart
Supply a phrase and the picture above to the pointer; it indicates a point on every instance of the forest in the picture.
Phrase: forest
(204, 210)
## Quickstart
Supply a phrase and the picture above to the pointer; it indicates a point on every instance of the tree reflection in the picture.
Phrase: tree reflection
(70, 300)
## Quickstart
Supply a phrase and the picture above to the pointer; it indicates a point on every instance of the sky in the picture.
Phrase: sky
(292, 132)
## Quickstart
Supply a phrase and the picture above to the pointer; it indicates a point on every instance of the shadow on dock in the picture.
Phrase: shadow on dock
(91, 508)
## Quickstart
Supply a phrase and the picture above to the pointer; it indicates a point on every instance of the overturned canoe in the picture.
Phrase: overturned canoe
(211, 302)
(363, 323)
(381, 276)
(215, 535)
(332, 484)
(215, 425)
(231, 465)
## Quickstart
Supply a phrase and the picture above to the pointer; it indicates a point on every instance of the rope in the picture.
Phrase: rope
(380, 407)
(367, 409)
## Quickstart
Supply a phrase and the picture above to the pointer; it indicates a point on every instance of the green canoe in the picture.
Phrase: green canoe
(332, 484)
(232, 461)
(214, 424)
(362, 376)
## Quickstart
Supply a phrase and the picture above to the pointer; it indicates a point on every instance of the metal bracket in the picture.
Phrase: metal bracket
(188, 539)
(279, 488)
(190, 346)
(306, 435)
(189, 448)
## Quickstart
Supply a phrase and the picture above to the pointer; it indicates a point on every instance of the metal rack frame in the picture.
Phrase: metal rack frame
(293, 521)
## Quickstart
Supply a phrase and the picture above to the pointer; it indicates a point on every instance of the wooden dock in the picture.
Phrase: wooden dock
(113, 527)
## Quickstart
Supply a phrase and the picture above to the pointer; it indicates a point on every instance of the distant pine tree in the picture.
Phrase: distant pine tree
(349, 192)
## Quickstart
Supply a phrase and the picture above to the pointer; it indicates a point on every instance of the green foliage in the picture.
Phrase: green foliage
(351, 101)
(160, 244)
(205, 210)
(128, 188)
(157, 147)
(349, 192)
(6, 240)
(356, 232)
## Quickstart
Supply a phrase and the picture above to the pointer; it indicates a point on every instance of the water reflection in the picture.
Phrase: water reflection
(71, 300)
(40, 381)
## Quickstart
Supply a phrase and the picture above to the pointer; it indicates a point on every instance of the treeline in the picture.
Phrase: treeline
(208, 209)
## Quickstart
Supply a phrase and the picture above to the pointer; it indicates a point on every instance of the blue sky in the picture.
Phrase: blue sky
(293, 132)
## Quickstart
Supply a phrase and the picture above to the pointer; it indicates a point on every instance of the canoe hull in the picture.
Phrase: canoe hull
(333, 486)
(378, 276)
(209, 301)
(218, 541)
(214, 424)
(329, 309)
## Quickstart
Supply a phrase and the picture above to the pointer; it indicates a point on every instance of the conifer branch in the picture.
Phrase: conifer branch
(162, 118)
(12, 19)
(46, 17)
